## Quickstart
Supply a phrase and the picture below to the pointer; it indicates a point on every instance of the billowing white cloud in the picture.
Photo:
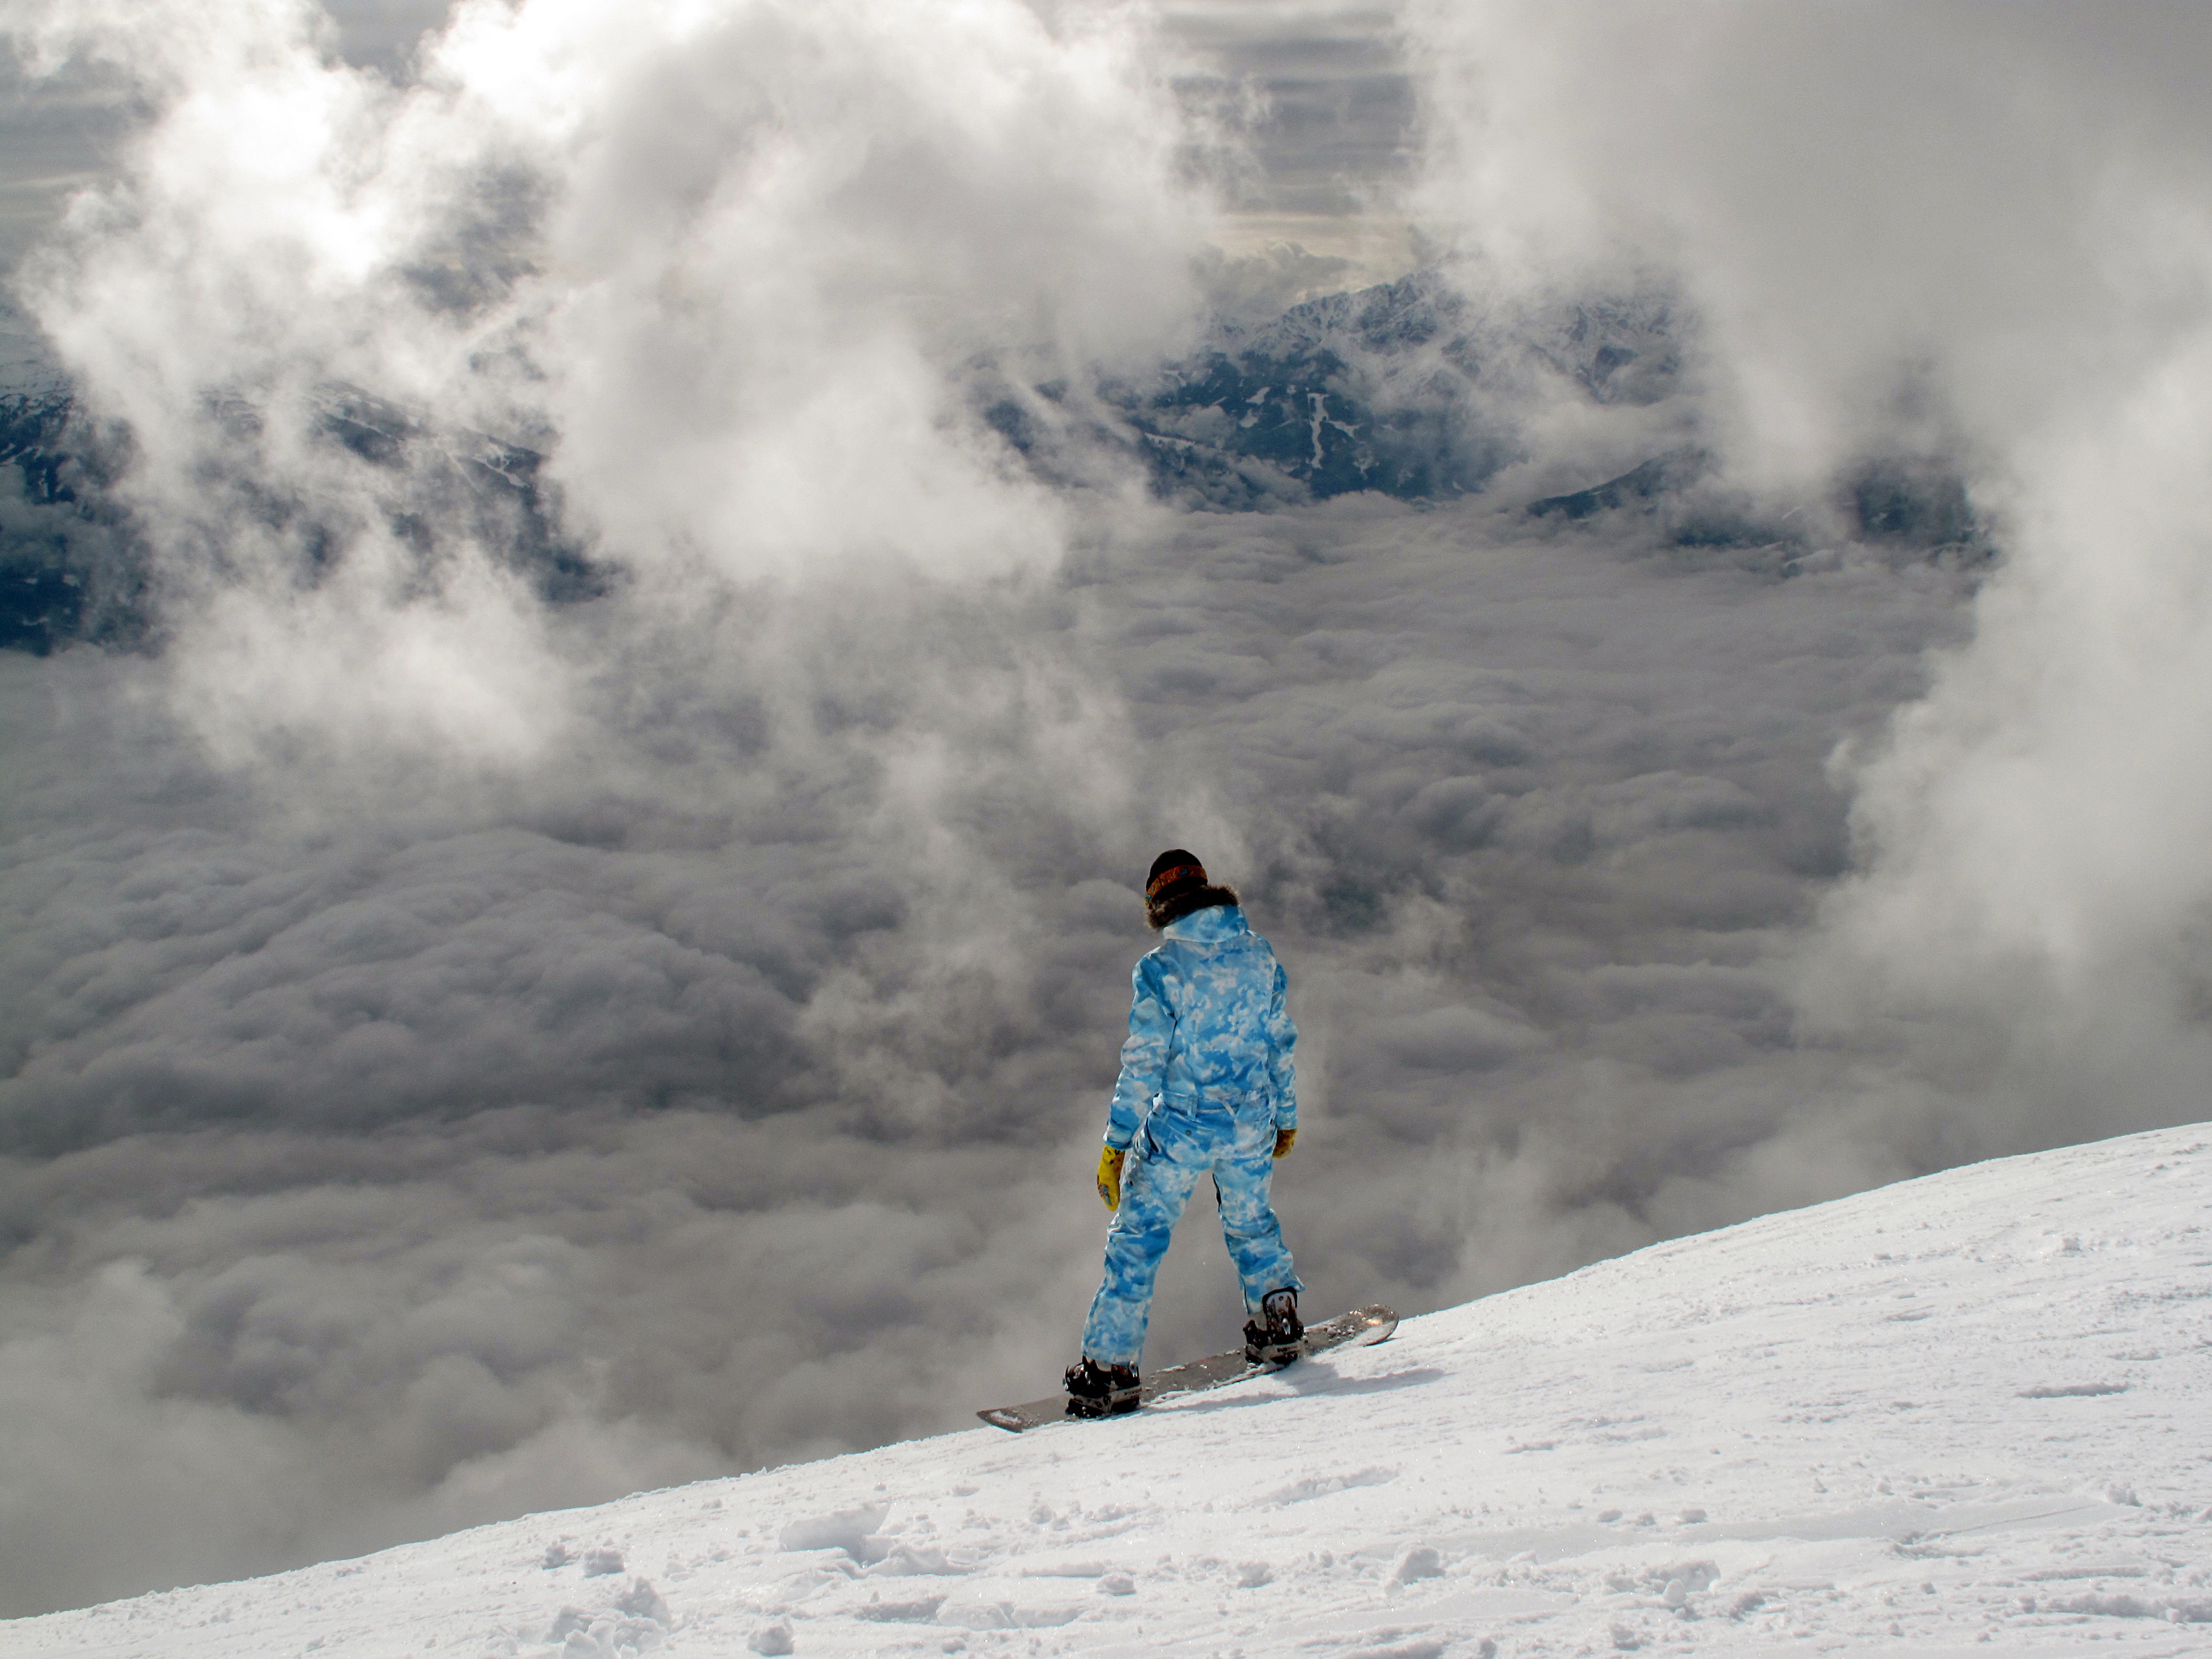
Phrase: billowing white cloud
(1981, 233)
(729, 267)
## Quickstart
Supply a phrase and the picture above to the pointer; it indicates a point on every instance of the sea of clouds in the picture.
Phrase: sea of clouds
(468, 1048)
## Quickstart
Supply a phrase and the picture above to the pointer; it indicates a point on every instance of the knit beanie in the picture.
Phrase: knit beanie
(1176, 877)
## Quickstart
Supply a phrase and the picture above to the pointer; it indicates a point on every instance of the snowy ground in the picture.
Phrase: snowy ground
(1972, 1412)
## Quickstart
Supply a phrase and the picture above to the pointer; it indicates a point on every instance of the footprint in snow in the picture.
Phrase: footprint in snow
(922, 1611)
(1302, 1491)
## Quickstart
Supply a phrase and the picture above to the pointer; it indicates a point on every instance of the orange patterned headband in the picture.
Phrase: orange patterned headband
(1169, 877)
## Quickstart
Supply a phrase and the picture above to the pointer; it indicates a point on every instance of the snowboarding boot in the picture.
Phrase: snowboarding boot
(1274, 1337)
(1096, 1390)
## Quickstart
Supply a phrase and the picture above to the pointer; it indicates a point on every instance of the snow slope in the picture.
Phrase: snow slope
(1970, 1409)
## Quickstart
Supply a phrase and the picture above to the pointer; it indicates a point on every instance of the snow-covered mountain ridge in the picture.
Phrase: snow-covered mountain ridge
(1407, 389)
(1974, 1408)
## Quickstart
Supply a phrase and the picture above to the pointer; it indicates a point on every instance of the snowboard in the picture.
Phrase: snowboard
(1359, 1328)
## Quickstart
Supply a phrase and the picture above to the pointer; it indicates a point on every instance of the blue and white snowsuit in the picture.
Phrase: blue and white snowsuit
(1206, 1082)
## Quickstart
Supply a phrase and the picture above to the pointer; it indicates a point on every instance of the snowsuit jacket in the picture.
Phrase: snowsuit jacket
(1207, 1025)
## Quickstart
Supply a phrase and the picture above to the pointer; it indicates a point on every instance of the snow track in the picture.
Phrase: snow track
(1971, 1412)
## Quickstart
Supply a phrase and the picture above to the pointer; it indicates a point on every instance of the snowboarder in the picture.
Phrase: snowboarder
(1206, 1088)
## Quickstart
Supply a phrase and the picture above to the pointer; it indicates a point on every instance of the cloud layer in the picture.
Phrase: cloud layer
(727, 1093)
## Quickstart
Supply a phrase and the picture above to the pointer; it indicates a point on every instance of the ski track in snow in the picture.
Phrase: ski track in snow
(1968, 1413)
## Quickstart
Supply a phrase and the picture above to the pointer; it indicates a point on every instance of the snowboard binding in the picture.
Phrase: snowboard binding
(1096, 1390)
(1277, 1337)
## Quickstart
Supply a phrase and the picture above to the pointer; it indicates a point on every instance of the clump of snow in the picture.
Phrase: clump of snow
(904, 1559)
(642, 1601)
(1420, 1561)
(850, 1530)
(1830, 1479)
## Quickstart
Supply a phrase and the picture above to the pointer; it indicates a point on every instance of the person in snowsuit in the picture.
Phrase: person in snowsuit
(1206, 1088)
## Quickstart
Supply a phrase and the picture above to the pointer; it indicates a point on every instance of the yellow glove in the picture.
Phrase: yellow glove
(1109, 1175)
(1284, 1140)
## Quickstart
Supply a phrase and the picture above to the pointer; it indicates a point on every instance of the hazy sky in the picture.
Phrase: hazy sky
(463, 1053)
(1319, 84)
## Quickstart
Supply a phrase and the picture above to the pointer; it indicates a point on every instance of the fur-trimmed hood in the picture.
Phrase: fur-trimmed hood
(1174, 906)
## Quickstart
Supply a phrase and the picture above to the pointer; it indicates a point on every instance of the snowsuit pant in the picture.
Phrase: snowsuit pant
(1180, 1142)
